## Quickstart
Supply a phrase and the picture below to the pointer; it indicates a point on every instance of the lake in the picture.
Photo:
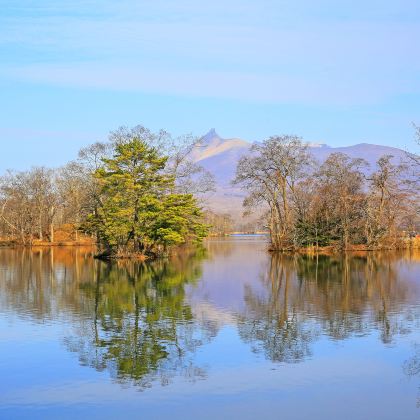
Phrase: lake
(228, 331)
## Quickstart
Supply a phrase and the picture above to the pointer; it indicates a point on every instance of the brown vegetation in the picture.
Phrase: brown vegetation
(79, 201)
(333, 204)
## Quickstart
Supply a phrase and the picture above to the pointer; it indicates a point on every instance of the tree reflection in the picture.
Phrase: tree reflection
(142, 323)
(272, 320)
(128, 318)
(352, 293)
(142, 329)
(305, 296)
(43, 283)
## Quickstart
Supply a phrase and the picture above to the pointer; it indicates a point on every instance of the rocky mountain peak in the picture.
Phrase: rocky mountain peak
(210, 137)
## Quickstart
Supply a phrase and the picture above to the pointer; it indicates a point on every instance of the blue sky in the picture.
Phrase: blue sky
(337, 72)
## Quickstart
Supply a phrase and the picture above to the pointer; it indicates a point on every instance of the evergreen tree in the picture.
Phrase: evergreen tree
(138, 212)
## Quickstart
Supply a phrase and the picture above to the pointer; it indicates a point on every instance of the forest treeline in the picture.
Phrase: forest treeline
(136, 194)
(141, 193)
(333, 203)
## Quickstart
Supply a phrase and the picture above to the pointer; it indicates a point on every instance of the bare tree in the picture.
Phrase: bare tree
(341, 181)
(76, 190)
(388, 201)
(190, 177)
(17, 211)
(29, 204)
(271, 174)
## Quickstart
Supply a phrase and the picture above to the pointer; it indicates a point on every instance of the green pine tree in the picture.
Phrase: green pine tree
(138, 213)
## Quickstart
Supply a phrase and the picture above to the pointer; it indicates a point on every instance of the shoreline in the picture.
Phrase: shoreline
(326, 250)
(11, 244)
(333, 250)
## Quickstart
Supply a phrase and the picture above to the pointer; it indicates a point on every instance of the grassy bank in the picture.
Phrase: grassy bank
(413, 243)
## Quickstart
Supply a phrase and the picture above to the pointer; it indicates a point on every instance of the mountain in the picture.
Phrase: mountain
(220, 156)
(369, 152)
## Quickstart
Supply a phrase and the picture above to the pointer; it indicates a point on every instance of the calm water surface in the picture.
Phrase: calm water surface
(227, 332)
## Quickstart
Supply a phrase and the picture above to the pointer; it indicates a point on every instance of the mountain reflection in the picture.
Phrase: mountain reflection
(143, 323)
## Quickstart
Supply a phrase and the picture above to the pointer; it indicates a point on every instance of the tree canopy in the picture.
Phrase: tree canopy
(139, 210)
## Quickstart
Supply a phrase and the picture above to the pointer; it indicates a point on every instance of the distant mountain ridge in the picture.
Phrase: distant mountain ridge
(212, 144)
(220, 156)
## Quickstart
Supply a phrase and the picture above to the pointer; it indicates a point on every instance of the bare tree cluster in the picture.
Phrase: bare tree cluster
(32, 202)
(29, 202)
(220, 224)
(334, 203)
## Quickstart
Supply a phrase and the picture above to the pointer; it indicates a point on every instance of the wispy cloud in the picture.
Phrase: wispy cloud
(268, 51)
(340, 71)
(270, 87)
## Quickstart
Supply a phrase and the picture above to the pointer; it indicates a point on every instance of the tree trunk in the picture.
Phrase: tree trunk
(40, 227)
(51, 232)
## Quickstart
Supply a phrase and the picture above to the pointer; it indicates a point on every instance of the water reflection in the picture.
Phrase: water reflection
(273, 319)
(143, 323)
(412, 367)
(43, 283)
(142, 329)
(127, 317)
(339, 296)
